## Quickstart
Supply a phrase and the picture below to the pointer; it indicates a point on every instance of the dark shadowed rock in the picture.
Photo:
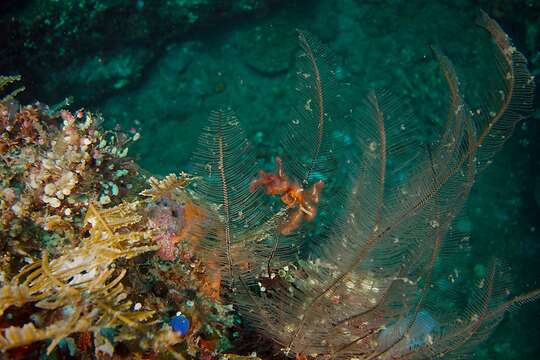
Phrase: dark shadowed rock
(41, 37)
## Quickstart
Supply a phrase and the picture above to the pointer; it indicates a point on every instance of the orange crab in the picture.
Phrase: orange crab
(302, 202)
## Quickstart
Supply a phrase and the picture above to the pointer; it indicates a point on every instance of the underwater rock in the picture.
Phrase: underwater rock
(39, 38)
(176, 59)
(268, 48)
(101, 74)
(537, 191)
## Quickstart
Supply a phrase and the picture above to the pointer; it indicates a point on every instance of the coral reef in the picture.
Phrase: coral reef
(74, 230)
(54, 35)
(91, 287)
(54, 164)
(81, 288)
(361, 256)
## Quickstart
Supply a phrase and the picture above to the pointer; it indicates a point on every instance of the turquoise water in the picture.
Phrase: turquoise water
(162, 67)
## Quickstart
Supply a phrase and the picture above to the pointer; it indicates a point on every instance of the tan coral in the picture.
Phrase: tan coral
(83, 280)
(171, 182)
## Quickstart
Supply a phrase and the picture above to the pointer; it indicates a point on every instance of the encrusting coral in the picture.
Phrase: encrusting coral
(54, 164)
(179, 221)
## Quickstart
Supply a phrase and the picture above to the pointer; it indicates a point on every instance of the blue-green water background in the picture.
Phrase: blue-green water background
(161, 66)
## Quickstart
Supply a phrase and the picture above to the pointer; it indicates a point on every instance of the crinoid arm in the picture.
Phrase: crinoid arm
(318, 123)
(509, 99)
(369, 290)
(4, 82)
(241, 221)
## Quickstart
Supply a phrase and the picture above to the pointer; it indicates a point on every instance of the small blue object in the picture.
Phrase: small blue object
(180, 323)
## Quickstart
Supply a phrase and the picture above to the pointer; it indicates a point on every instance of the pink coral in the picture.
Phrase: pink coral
(167, 216)
(167, 245)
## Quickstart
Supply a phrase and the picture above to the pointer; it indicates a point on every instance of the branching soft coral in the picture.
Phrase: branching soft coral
(82, 288)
